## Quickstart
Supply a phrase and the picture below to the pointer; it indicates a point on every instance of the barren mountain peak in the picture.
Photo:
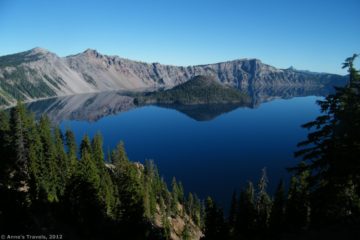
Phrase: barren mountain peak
(40, 50)
(255, 60)
(90, 51)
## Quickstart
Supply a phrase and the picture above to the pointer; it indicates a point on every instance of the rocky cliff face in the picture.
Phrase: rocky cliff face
(38, 73)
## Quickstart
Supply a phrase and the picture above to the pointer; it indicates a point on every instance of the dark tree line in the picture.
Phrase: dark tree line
(48, 184)
(254, 214)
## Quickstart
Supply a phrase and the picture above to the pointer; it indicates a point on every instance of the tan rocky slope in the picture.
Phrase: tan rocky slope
(38, 73)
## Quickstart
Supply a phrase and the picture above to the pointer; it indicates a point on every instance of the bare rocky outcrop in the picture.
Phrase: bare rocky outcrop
(38, 73)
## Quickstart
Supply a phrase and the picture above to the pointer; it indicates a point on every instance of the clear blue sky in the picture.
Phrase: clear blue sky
(315, 35)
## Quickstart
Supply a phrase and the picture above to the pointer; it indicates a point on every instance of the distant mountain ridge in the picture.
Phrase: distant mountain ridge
(39, 73)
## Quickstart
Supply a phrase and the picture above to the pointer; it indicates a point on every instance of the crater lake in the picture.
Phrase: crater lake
(212, 149)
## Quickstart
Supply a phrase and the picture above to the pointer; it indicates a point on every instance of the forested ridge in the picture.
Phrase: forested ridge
(49, 185)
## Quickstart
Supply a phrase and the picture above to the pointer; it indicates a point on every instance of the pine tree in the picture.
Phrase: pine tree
(87, 165)
(292, 204)
(16, 185)
(5, 150)
(233, 214)
(106, 187)
(49, 165)
(215, 227)
(277, 216)
(298, 205)
(97, 152)
(82, 207)
(62, 161)
(185, 235)
(20, 150)
(181, 194)
(71, 151)
(246, 211)
(164, 219)
(109, 195)
(197, 212)
(119, 157)
(304, 199)
(175, 195)
(128, 181)
(36, 162)
(263, 203)
(151, 186)
(18, 147)
(190, 204)
(332, 150)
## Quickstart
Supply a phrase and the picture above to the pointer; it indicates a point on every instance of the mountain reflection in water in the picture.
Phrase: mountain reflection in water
(92, 107)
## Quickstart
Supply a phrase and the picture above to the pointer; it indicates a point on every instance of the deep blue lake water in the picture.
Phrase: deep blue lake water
(212, 157)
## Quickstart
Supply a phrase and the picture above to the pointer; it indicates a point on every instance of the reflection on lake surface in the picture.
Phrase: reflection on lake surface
(212, 149)
(94, 106)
